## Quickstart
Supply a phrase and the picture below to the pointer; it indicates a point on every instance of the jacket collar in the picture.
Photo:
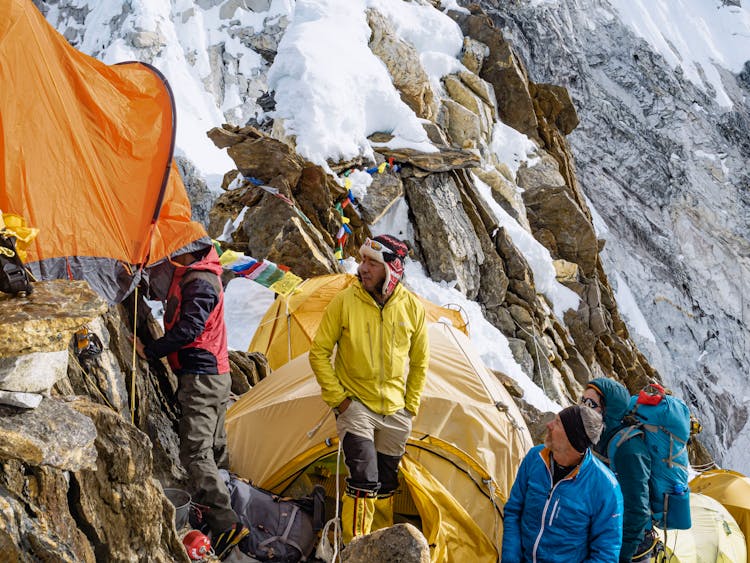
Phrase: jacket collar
(546, 455)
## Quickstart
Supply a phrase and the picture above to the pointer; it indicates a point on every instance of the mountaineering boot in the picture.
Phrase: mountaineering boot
(226, 540)
(650, 550)
(356, 514)
(383, 516)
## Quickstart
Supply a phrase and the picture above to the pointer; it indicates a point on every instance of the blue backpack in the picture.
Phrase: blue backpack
(664, 422)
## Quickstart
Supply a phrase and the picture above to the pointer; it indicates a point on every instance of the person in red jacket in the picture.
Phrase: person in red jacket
(195, 343)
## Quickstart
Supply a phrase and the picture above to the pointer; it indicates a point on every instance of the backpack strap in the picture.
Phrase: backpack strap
(284, 538)
(670, 460)
(319, 508)
(620, 437)
(209, 277)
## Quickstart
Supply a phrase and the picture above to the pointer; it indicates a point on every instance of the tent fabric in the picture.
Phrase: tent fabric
(732, 490)
(288, 327)
(713, 537)
(86, 156)
(445, 523)
(468, 436)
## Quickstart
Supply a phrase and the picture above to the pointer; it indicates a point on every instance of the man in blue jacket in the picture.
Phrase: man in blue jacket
(565, 505)
(631, 464)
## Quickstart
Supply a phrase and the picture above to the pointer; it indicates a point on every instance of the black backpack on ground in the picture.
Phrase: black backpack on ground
(281, 529)
(13, 276)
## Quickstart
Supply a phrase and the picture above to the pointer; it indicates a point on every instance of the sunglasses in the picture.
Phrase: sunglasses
(388, 254)
(586, 401)
(375, 245)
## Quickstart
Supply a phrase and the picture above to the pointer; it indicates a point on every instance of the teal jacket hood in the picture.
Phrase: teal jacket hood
(616, 399)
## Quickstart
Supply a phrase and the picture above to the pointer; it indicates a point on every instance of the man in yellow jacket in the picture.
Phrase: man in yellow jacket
(378, 326)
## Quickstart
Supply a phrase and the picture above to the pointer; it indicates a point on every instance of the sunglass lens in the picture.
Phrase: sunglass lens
(589, 402)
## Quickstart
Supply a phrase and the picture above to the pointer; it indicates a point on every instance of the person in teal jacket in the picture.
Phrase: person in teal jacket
(631, 465)
(565, 506)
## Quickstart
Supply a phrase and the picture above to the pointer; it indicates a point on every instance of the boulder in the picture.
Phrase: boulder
(385, 190)
(544, 172)
(276, 232)
(33, 373)
(25, 436)
(505, 193)
(554, 103)
(247, 369)
(441, 160)
(473, 54)
(464, 126)
(46, 320)
(559, 224)
(403, 543)
(258, 155)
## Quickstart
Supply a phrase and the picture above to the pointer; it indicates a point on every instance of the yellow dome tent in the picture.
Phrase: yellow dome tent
(289, 325)
(461, 459)
(714, 536)
(732, 490)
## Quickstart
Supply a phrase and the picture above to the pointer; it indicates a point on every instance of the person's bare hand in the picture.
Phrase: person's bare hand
(139, 347)
(344, 405)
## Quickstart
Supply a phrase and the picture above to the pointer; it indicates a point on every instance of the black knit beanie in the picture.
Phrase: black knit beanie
(574, 429)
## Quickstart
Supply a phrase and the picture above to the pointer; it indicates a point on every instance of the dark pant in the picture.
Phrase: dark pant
(369, 470)
(373, 445)
(203, 443)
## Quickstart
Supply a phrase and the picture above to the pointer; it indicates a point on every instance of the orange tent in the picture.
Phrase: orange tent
(86, 156)
(290, 323)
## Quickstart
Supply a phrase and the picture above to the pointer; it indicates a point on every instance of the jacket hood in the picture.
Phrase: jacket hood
(616, 400)
(209, 263)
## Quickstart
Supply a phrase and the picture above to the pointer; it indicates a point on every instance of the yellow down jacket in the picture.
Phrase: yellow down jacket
(374, 345)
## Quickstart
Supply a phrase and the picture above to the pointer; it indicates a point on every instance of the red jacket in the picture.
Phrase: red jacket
(195, 336)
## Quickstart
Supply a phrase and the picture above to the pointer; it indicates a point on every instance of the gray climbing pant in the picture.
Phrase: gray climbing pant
(203, 443)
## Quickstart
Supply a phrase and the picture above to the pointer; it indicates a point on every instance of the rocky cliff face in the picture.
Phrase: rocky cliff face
(666, 168)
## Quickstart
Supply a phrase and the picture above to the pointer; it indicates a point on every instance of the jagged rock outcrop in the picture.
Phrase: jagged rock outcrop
(25, 436)
(120, 499)
(402, 61)
(78, 480)
(593, 341)
(290, 217)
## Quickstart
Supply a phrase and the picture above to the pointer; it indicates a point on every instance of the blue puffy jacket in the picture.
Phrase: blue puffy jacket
(577, 520)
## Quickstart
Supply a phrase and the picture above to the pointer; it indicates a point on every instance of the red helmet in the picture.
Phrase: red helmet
(197, 545)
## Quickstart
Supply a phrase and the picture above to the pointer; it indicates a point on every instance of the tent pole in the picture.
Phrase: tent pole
(288, 331)
(132, 373)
